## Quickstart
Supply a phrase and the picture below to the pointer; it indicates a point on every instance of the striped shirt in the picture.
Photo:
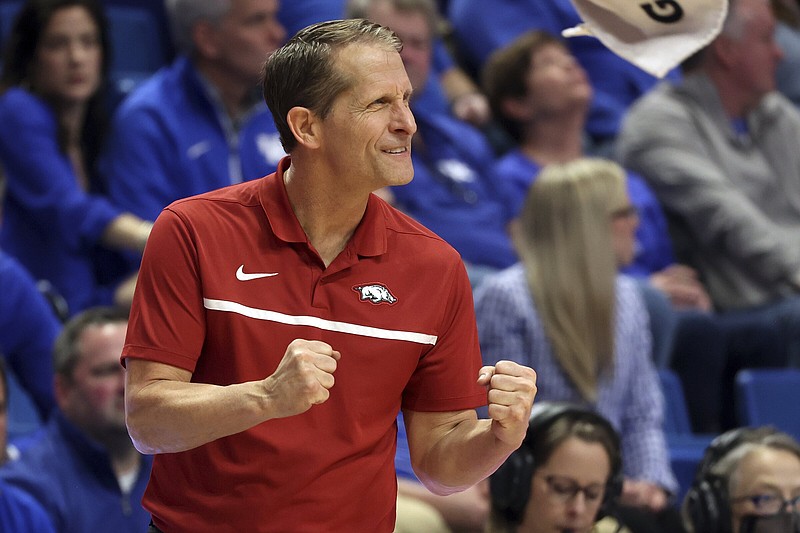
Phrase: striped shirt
(630, 396)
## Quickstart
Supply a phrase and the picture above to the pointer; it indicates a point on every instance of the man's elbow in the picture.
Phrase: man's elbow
(136, 420)
(434, 484)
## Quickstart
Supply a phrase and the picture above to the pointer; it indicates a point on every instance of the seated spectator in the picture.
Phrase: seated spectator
(482, 27)
(83, 468)
(51, 109)
(28, 330)
(721, 152)
(566, 312)
(18, 510)
(747, 482)
(541, 94)
(418, 509)
(201, 123)
(453, 192)
(566, 476)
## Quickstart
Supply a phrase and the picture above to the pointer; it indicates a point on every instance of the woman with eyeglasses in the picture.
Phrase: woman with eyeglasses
(563, 478)
(747, 482)
(565, 311)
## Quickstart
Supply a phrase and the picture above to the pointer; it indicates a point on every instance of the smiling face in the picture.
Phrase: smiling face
(551, 509)
(68, 61)
(366, 138)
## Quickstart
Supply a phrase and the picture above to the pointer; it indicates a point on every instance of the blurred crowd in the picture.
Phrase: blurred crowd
(615, 227)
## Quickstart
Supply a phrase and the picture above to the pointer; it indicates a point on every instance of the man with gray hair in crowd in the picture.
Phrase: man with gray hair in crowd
(199, 124)
(721, 150)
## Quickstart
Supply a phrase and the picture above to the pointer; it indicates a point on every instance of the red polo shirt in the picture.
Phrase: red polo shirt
(228, 280)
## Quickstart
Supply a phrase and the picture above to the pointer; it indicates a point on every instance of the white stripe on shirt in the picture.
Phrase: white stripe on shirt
(320, 323)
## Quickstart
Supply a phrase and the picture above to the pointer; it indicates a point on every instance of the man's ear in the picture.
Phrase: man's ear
(204, 37)
(304, 124)
(723, 50)
(61, 391)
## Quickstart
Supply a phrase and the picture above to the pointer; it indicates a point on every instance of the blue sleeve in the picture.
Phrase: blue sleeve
(138, 162)
(20, 512)
(40, 177)
(442, 60)
(28, 329)
(654, 250)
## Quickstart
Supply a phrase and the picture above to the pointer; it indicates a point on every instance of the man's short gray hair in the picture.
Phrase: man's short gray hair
(185, 14)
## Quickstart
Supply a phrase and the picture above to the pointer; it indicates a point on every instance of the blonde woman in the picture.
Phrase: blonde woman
(565, 311)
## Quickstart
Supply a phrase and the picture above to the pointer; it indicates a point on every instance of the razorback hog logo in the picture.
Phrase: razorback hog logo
(375, 293)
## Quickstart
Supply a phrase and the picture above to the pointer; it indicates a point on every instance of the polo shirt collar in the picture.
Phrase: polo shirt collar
(368, 240)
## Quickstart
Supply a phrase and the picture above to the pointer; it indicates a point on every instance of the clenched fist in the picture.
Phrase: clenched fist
(303, 378)
(511, 390)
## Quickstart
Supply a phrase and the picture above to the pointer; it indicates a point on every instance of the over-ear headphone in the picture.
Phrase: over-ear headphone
(510, 485)
(706, 503)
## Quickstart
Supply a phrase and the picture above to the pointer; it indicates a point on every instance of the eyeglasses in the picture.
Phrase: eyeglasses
(625, 212)
(565, 489)
(770, 503)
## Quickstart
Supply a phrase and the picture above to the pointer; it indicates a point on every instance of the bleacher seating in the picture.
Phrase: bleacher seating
(769, 397)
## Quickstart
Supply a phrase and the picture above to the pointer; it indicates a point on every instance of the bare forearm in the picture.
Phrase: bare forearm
(170, 416)
(452, 451)
(465, 455)
(167, 412)
(127, 232)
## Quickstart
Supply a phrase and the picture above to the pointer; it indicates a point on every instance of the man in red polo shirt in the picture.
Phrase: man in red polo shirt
(279, 325)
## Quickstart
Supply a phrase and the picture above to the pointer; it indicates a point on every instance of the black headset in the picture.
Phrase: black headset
(706, 504)
(510, 485)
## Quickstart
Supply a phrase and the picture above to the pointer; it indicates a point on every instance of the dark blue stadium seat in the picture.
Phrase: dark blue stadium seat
(769, 397)
(685, 447)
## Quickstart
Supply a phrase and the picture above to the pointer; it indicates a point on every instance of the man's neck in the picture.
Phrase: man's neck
(736, 101)
(232, 92)
(327, 215)
(554, 139)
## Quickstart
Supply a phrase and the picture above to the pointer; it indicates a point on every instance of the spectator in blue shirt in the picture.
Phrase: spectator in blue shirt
(482, 27)
(18, 510)
(201, 123)
(51, 130)
(83, 469)
(28, 330)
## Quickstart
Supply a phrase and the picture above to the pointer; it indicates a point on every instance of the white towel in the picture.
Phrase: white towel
(654, 35)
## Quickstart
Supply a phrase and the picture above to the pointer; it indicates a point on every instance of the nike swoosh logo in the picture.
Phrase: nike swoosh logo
(241, 275)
